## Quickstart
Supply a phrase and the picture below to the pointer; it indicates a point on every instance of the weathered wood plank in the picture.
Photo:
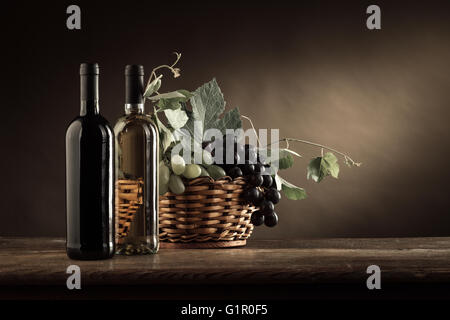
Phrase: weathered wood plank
(41, 261)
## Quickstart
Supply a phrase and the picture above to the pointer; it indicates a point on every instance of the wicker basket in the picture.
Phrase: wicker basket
(210, 213)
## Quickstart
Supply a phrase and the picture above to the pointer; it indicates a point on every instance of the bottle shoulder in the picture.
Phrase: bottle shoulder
(96, 119)
(133, 120)
(89, 123)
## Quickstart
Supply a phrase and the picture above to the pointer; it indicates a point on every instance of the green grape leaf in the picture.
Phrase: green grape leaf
(291, 191)
(285, 158)
(153, 87)
(177, 118)
(313, 169)
(230, 120)
(186, 93)
(168, 95)
(167, 139)
(169, 104)
(321, 167)
(330, 162)
(208, 104)
(166, 136)
(171, 100)
(286, 162)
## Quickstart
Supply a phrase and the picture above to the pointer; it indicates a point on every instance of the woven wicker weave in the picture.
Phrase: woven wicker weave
(208, 210)
(128, 201)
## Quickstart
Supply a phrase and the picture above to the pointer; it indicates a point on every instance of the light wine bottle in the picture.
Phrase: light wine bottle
(89, 176)
(137, 154)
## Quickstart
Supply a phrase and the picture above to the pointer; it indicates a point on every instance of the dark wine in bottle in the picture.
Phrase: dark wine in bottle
(90, 176)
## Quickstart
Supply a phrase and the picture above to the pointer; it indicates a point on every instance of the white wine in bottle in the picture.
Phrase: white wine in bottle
(137, 154)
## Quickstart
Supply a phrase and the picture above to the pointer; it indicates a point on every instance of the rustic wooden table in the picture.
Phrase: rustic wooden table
(36, 268)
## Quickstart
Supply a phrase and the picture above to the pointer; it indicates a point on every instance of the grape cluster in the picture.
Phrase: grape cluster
(171, 176)
(263, 194)
(261, 191)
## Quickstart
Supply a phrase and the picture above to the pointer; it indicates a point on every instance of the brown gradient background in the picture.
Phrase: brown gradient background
(310, 68)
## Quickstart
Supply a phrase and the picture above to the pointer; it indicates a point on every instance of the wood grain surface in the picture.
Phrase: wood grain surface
(42, 261)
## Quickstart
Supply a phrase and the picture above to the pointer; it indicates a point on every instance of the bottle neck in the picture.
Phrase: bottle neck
(134, 88)
(89, 94)
(89, 107)
(134, 108)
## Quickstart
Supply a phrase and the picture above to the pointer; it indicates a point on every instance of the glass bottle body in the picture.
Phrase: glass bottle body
(89, 186)
(136, 160)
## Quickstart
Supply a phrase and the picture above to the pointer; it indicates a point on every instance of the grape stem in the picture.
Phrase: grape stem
(346, 157)
(253, 127)
(175, 71)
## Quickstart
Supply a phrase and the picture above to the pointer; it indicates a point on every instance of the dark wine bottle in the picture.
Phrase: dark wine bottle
(137, 154)
(90, 176)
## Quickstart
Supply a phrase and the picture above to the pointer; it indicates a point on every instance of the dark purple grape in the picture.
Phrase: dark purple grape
(258, 198)
(235, 172)
(271, 220)
(253, 196)
(267, 181)
(256, 180)
(266, 207)
(247, 169)
(264, 170)
(273, 195)
(257, 218)
(274, 184)
(259, 168)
